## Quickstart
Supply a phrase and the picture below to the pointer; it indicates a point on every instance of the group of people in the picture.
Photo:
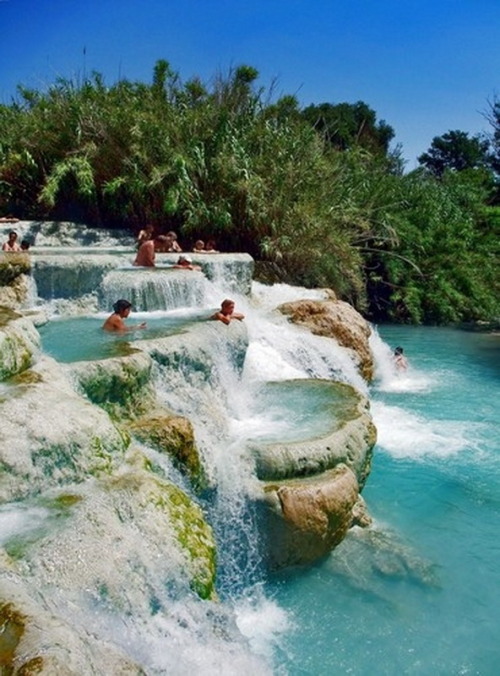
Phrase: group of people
(12, 245)
(115, 323)
(149, 244)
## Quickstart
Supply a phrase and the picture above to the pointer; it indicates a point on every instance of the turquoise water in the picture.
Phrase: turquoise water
(82, 338)
(418, 593)
(296, 410)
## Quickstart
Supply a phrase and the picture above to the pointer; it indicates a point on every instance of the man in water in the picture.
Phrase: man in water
(146, 254)
(400, 360)
(226, 312)
(121, 310)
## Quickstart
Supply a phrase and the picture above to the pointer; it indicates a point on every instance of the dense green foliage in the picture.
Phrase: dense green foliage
(315, 195)
(456, 150)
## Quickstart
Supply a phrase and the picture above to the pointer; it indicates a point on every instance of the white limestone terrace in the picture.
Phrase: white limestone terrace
(72, 261)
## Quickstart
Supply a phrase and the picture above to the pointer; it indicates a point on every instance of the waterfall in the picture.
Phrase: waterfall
(155, 289)
(229, 381)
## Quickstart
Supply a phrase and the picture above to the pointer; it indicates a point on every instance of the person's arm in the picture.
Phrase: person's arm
(223, 318)
(237, 315)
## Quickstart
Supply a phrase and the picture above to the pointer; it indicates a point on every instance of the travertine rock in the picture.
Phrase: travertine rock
(335, 319)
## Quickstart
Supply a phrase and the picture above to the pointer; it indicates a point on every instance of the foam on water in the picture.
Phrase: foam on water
(269, 297)
(18, 520)
(407, 435)
(388, 378)
(263, 622)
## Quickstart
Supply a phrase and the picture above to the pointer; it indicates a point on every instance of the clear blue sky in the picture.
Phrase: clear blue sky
(424, 66)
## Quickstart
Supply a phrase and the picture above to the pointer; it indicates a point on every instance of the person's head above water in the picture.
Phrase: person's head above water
(121, 306)
(398, 350)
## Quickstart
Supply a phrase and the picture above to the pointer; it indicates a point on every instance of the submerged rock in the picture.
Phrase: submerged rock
(339, 320)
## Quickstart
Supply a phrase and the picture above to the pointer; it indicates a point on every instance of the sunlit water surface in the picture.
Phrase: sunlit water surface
(419, 592)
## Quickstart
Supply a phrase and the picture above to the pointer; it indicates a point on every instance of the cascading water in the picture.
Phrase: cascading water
(369, 606)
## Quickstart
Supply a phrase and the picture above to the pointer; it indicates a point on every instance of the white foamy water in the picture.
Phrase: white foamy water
(263, 622)
(388, 378)
(269, 297)
(407, 435)
(18, 520)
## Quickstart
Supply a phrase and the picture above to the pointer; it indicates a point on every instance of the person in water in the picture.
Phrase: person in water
(227, 313)
(146, 254)
(145, 234)
(186, 263)
(199, 246)
(211, 247)
(11, 245)
(25, 245)
(115, 322)
(174, 244)
(400, 361)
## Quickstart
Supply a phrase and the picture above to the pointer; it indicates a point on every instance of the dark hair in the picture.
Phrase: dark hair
(12, 232)
(121, 305)
(398, 350)
(25, 244)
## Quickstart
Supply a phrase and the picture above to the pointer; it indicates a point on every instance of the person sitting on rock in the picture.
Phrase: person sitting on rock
(186, 263)
(227, 313)
(11, 244)
(121, 310)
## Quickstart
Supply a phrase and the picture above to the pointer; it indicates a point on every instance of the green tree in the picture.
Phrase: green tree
(346, 125)
(456, 151)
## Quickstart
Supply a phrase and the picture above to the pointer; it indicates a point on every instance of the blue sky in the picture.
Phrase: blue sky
(424, 66)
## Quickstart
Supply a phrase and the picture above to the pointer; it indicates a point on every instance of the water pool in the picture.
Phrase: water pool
(418, 593)
(82, 338)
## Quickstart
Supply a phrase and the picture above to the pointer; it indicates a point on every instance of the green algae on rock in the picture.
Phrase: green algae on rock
(174, 435)
(19, 343)
(120, 385)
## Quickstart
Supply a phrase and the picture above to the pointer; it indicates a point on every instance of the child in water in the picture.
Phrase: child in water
(115, 323)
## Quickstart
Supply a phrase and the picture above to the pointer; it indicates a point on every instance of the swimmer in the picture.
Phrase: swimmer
(121, 310)
(199, 246)
(400, 361)
(226, 312)
(186, 263)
